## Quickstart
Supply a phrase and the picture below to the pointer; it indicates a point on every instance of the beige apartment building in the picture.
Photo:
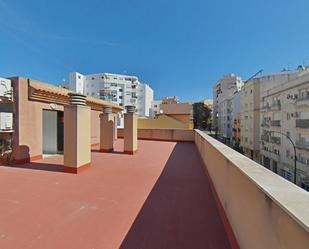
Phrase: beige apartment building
(285, 112)
(250, 119)
(252, 94)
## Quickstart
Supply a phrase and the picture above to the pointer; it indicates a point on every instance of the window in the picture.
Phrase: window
(92, 78)
(120, 90)
(78, 77)
(120, 97)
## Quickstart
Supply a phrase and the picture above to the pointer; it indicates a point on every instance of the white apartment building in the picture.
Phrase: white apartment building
(120, 89)
(155, 108)
(285, 112)
(223, 94)
(6, 118)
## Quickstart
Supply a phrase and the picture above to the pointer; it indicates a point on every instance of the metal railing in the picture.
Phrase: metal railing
(275, 123)
(303, 144)
(302, 123)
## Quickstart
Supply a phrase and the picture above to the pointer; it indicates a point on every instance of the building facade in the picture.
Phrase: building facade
(120, 89)
(6, 118)
(180, 114)
(223, 93)
(250, 119)
(285, 117)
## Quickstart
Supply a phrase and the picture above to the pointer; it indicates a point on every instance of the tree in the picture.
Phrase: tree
(201, 116)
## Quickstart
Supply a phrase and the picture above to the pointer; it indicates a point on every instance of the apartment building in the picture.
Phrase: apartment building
(6, 94)
(250, 119)
(223, 93)
(236, 108)
(285, 114)
(252, 93)
(119, 89)
(182, 113)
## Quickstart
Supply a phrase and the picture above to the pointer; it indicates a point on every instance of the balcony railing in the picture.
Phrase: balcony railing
(276, 106)
(276, 140)
(302, 144)
(302, 123)
(303, 99)
(275, 123)
(265, 138)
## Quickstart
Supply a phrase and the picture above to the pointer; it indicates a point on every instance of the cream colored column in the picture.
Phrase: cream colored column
(77, 134)
(130, 130)
(115, 126)
(107, 130)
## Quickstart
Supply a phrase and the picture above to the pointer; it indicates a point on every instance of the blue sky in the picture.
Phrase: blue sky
(179, 47)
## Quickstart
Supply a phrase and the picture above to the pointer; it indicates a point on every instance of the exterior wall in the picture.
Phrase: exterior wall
(182, 112)
(76, 82)
(177, 135)
(120, 89)
(28, 125)
(223, 90)
(285, 110)
(250, 119)
(225, 118)
(263, 210)
(155, 108)
(6, 119)
(145, 100)
(161, 122)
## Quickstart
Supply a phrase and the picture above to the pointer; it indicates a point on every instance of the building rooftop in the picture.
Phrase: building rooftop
(158, 198)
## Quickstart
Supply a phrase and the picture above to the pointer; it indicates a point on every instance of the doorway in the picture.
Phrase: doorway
(52, 132)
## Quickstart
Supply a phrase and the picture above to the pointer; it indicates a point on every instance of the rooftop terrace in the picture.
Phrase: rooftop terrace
(158, 198)
(194, 194)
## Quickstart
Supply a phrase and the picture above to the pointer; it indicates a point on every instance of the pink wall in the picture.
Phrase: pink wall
(28, 123)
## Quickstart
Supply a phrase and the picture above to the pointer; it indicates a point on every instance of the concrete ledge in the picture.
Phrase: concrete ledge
(171, 135)
(264, 209)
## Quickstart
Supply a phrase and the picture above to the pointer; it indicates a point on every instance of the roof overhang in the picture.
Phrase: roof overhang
(51, 94)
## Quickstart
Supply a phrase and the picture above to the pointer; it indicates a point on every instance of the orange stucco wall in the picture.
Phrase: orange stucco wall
(28, 123)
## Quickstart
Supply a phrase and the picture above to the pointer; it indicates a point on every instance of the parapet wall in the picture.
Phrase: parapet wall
(177, 135)
(263, 209)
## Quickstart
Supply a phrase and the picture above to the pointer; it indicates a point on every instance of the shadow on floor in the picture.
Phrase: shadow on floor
(180, 211)
(38, 166)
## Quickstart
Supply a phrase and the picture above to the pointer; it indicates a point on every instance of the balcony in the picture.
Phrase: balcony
(303, 100)
(265, 124)
(275, 123)
(265, 138)
(302, 144)
(302, 123)
(276, 106)
(189, 191)
(275, 140)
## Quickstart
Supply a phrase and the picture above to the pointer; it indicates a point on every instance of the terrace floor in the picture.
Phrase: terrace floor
(158, 198)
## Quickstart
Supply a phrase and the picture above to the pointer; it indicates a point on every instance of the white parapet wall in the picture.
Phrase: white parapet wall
(264, 210)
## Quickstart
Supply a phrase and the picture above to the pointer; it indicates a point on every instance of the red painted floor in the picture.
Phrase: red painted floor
(159, 198)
